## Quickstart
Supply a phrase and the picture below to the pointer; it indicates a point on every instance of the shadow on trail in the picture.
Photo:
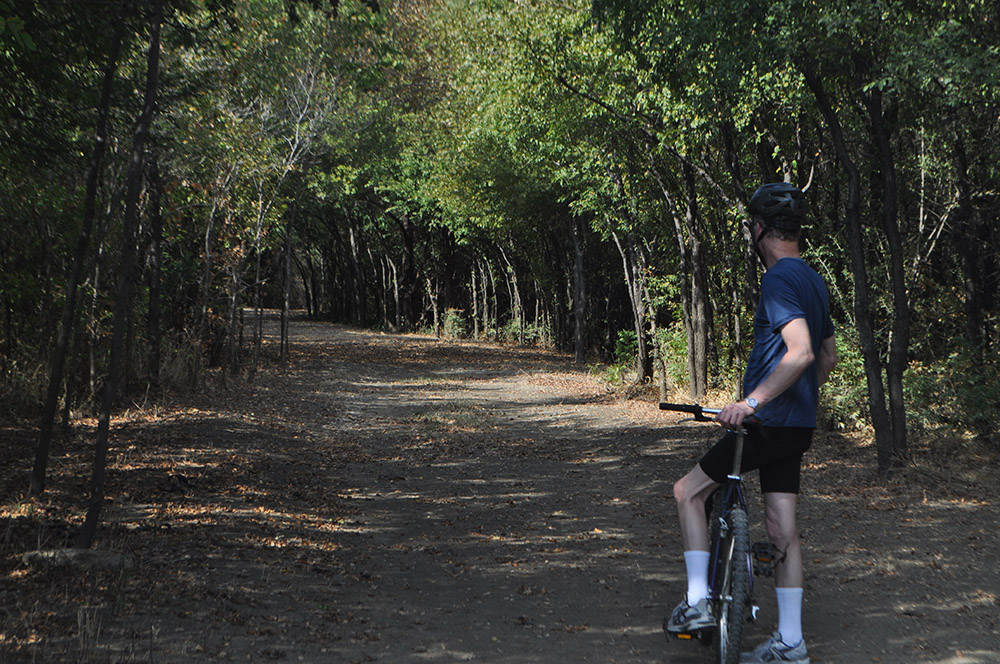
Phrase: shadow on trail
(399, 499)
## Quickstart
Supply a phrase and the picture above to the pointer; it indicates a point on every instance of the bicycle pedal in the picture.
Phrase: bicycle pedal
(704, 635)
(763, 558)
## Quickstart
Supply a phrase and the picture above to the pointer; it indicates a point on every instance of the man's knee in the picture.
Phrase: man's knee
(782, 534)
(681, 492)
(693, 487)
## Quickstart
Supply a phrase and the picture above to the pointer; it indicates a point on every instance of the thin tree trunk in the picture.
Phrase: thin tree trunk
(433, 296)
(475, 305)
(408, 274)
(156, 230)
(900, 340)
(287, 286)
(79, 260)
(517, 315)
(881, 422)
(359, 289)
(700, 309)
(695, 308)
(579, 296)
(258, 324)
(970, 251)
(129, 226)
(643, 363)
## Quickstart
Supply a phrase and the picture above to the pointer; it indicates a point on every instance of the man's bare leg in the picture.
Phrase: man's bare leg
(788, 575)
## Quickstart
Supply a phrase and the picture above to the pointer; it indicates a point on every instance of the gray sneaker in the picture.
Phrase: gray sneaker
(776, 650)
(687, 618)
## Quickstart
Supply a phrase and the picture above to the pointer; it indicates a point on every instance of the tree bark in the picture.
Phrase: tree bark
(579, 296)
(154, 322)
(474, 291)
(133, 185)
(900, 340)
(408, 275)
(287, 285)
(633, 278)
(969, 249)
(79, 259)
(695, 309)
(700, 310)
(881, 422)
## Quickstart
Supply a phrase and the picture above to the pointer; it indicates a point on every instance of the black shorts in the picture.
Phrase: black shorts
(775, 451)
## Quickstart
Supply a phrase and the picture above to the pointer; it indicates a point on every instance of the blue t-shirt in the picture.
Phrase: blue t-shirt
(790, 289)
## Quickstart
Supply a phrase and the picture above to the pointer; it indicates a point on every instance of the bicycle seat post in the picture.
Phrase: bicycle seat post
(738, 455)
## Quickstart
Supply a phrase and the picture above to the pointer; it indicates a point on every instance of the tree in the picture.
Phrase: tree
(133, 185)
(66, 325)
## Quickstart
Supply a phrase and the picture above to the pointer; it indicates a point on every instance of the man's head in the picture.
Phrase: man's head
(780, 209)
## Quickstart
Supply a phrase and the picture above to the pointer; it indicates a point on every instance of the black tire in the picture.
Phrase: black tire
(732, 613)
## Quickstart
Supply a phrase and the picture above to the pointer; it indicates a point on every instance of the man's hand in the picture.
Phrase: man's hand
(732, 415)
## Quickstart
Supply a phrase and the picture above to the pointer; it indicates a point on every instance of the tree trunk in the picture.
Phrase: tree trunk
(900, 339)
(287, 285)
(474, 291)
(133, 186)
(432, 294)
(408, 275)
(695, 309)
(881, 422)
(358, 289)
(258, 324)
(514, 293)
(579, 296)
(643, 361)
(969, 248)
(79, 259)
(700, 310)
(156, 231)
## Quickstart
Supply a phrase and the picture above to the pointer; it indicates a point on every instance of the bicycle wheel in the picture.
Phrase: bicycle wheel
(734, 596)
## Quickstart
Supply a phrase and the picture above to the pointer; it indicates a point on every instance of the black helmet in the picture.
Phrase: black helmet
(780, 204)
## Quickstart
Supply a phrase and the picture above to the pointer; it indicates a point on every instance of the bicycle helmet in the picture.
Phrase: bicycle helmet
(779, 205)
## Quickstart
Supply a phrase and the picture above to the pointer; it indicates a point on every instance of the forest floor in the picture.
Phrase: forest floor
(393, 498)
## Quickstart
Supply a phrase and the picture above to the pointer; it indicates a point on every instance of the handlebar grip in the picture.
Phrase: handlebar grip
(694, 409)
(700, 413)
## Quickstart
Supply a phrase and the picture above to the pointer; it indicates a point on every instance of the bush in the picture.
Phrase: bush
(23, 383)
(626, 348)
(454, 324)
(673, 347)
(844, 399)
(961, 392)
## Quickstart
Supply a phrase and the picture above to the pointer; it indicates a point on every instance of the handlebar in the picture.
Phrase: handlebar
(700, 413)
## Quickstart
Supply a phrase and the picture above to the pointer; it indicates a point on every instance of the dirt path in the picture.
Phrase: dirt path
(400, 499)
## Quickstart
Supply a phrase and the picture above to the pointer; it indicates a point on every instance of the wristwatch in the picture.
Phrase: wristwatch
(752, 403)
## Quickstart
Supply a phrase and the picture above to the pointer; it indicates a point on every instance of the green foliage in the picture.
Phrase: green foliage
(673, 345)
(455, 325)
(959, 393)
(435, 137)
(626, 347)
(843, 399)
(12, 28)
(22, 386)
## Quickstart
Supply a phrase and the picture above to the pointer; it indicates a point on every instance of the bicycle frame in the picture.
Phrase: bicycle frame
(731, 495)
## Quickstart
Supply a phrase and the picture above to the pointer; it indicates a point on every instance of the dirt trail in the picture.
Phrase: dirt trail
(401, 499)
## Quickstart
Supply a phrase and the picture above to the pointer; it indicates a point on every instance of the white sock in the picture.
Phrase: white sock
(696, 563)
(790, 615)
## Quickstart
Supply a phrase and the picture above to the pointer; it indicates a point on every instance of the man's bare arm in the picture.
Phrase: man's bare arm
(797, 358)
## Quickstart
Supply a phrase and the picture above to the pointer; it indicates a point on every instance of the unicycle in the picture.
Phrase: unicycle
(732, 561)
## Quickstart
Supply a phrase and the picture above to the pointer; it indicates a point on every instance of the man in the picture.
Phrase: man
(793, 354)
